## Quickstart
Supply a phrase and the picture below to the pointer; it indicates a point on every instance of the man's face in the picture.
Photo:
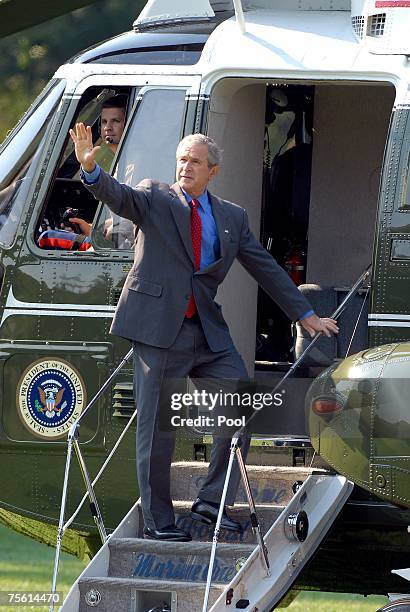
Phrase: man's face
(193, 172)
(112, 125)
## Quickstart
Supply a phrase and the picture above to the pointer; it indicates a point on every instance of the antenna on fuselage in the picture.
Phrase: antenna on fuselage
(240, 18)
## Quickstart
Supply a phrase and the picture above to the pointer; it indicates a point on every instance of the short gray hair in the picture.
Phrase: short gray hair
(214, 152)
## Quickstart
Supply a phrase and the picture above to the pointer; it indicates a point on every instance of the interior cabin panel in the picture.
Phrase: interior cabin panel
(338, 141)
(350, 130)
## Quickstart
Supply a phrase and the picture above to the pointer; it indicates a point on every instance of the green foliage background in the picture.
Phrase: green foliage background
(29, 59)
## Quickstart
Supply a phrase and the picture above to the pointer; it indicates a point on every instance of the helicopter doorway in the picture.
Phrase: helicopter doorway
(306, 164)
(287, 163)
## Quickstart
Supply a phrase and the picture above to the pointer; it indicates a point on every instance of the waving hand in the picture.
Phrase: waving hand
(84, 150)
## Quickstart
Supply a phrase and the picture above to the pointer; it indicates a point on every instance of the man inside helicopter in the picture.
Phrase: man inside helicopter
(74, 232)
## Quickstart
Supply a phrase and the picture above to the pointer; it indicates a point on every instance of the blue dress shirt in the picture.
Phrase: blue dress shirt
(91, 177)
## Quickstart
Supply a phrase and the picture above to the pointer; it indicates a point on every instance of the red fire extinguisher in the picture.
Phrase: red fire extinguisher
(295, 265)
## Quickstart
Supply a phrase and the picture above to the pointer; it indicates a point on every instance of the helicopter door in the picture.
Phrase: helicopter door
(389, 318)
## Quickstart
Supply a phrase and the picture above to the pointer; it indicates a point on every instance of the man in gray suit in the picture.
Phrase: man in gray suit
(188, 240)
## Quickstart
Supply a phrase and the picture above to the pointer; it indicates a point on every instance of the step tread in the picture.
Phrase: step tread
(181, 504)
(139, 583)
(185, 548)
(251, 469)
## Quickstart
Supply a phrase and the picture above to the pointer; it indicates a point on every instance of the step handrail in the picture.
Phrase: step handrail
(73, 440)
(335, 315)
(235, 452)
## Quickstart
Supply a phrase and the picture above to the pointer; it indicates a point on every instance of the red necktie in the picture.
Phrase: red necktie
(196, 236)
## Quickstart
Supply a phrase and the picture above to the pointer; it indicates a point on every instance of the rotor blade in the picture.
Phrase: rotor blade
(16, 15)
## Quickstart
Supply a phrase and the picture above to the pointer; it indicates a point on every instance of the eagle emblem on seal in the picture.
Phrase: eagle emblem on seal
(50, 394)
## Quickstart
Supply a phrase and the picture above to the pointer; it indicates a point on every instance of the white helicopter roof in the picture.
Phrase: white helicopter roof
(289, 44)
(383, 25)
(166, 10)
(276, 43)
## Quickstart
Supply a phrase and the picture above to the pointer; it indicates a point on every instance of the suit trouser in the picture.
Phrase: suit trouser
(190, 356)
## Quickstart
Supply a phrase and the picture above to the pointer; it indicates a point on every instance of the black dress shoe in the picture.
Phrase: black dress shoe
(207, 513)
(169, 534)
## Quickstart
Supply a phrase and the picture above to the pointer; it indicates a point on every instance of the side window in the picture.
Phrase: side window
(402, 151)
(404, 182)
(148, 151)
(19, 155)
(106, 111)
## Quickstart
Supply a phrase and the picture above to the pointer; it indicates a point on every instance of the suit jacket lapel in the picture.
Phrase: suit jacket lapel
(181, 212)
(222, 223)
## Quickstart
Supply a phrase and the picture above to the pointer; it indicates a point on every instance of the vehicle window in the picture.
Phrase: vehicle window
(404, 193)
(19, 155)
(178, 55)
(20, 145)
(106, 111)
(89, 113)
(148, 151)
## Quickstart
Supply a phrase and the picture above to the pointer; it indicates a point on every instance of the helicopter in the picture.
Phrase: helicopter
(310, 103)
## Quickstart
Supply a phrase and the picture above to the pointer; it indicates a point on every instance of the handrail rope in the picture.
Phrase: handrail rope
(313, 457)
(357, 322)
(104, 465)
(73, 437)
(341, 308)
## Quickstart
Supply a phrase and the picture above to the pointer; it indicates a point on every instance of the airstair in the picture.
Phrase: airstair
(218, 570)
(133, 574)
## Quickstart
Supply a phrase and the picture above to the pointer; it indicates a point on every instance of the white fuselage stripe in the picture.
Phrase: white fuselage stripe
(16, 307)
(39, 312)
(389, 323)
(389, 320)
(14, 303)
(389, 317)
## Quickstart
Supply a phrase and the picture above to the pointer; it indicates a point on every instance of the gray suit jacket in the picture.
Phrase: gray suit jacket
(156, 292)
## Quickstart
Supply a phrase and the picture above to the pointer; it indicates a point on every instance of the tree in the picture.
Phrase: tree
(29, 58)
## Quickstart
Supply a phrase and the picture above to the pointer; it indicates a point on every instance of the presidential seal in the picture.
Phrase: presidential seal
(50, 397)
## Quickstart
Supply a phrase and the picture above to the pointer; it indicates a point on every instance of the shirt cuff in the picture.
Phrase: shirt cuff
(91, 177)
(307, 314)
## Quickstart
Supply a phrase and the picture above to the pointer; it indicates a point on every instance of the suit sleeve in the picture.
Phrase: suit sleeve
(269, 275)
(125, 201)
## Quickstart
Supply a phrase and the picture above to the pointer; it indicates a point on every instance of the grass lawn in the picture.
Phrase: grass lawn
(28, 565)
(332, 602)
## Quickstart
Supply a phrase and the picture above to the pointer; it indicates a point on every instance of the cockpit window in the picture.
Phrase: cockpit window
(19, 154)
(404, 194)
(90, 113)
(19, 146)
(106, 111)
(148, 150)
